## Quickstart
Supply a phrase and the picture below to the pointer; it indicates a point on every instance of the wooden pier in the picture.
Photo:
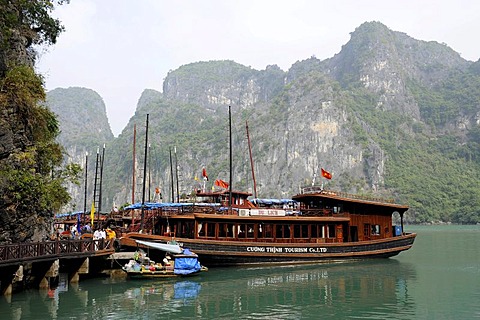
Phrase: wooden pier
(35, 264)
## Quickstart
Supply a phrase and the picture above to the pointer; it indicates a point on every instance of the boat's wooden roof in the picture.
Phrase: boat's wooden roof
(309, 193)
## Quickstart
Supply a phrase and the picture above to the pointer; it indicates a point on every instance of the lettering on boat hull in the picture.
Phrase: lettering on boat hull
(285, 250)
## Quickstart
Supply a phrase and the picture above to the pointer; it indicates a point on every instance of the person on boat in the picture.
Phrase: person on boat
(103, 234)
(167, 262)
(136, 256)
(152, 266)
(111, 234)
(74, 232)
(87, 228)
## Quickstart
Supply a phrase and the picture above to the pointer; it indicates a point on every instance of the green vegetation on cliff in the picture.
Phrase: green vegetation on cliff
(436, 174)
(31, 173)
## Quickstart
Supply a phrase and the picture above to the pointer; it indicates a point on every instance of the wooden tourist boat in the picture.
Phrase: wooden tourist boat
(317, 226)
(177, 262)
(224, 228)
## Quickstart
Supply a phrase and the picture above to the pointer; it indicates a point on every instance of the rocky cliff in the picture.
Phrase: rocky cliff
(84, 130)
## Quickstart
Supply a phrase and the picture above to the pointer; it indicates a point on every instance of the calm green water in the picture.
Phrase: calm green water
(439, 278)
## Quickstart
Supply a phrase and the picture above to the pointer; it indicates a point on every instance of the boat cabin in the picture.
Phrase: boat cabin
(368, 218)
(319, 216)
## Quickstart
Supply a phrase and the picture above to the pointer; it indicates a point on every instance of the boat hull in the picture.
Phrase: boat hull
(151, 274)
(147, 274)
(225, 253)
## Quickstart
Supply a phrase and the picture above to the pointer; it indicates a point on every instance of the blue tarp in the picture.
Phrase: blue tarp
(187, 265)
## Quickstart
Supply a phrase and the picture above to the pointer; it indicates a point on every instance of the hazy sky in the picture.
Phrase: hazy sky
(121, 47)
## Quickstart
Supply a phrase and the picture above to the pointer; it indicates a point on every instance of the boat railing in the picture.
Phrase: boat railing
(168, 212)
(316, 212)
(319, 189)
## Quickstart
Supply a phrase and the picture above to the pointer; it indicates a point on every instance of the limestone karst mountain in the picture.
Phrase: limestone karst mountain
(388, 113)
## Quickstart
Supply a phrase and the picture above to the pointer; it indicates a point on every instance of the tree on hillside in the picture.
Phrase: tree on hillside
(31, 172)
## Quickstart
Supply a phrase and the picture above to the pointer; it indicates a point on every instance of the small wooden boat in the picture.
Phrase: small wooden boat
(177, 262)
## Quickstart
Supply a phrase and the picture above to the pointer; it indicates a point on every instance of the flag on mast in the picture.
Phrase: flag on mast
(222, 184)
(326, 174)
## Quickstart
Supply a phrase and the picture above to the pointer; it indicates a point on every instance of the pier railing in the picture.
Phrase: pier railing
(37, 251)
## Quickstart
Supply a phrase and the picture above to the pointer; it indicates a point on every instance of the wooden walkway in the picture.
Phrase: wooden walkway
(14, 254)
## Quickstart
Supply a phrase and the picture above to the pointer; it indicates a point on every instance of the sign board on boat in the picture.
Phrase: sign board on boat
(261, 212)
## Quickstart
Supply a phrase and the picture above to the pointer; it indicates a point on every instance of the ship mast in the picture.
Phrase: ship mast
(171, 174)
(133, 163)
(231, 174)
(144, 175)
(251, 162)
(85, 194)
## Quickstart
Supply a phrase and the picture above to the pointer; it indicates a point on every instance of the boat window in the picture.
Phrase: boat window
(318, 231)
(314, 230)
(279, 231)
(267, 230)
(366, 229)
(376, 229)
(201, 230)
(323, 231)
(231, 230)
(210, 229)
(300, 231)
(222, 230)
(260, 230)
(331, 231)
(250, 230)
(315, 204)
(185, 229)
(282, 231)
(246, 230)
(241, 231)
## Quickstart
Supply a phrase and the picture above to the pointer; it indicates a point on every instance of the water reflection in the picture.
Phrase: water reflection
(370, 289)
(363, 289)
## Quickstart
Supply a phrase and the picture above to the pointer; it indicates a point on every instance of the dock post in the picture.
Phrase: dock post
(52, 272)
(82, 269)
(11, 276)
